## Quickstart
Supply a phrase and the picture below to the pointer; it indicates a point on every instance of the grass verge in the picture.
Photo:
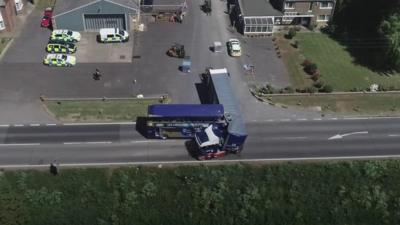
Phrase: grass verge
(360, 192)
(98, 110)
(334, 62)
(3, 43)
(42, 4)
(367, 104)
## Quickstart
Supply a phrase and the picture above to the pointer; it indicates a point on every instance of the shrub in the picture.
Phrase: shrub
(319, 84)
(291, 33)
(306, 62)
(311, 90)
(311, 68)
(327, 89)
(295, 44)
(288, 89)
(316, 76)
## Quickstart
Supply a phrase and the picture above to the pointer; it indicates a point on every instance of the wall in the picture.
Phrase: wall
(8, 13)
(73, 20)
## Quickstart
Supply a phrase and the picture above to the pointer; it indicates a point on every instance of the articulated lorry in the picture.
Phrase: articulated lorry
(216, 128)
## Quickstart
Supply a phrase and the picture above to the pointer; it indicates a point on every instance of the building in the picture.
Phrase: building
(92, 15)
(262, 16)
(8, 11)
(162, 9)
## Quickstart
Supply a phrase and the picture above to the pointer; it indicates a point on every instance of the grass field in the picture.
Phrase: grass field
(376, 104)
(3, 43)
(334, 62)
(99, 111)
(361, 192)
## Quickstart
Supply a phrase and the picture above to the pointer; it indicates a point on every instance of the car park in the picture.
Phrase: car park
(67, 48)
(234, 47)
(46, 20)
(59, 60)
(65, 35)
(110, 35)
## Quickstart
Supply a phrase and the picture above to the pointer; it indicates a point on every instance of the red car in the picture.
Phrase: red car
(46, 20)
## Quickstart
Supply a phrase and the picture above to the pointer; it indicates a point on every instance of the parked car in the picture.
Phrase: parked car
(234, 48)
(46, 20)
(67, 48)
(59, 60)
(65, 35)
(108, 35)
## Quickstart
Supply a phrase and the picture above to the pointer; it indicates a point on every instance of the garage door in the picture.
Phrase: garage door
(98, 21)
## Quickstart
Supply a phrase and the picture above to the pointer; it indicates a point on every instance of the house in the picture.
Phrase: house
(92, 15)
(263, 16)
(8, 11)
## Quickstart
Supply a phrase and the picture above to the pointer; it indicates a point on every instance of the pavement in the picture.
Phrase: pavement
(80, 144)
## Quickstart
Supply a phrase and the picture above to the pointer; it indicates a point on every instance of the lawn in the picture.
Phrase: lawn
(98, 110)
(3, 43)
(360, 192)
(334, 62)
(367, 104)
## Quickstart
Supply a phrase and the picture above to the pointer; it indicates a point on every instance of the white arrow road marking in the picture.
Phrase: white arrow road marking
(340, 136)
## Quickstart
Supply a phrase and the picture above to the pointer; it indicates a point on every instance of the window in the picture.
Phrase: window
(2, 25)
(322, 18)
(326, 5)
(289, 5)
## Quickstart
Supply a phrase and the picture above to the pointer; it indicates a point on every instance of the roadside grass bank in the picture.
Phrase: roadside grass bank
(109, 110)
(380, 104)
(335, 64)
(358, 192)
(3, 43)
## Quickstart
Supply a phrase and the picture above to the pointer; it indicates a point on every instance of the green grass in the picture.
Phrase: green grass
(376, 104)
(360, 192)
(42, 4)
(95, 111)
(336, 64)
(3, 43)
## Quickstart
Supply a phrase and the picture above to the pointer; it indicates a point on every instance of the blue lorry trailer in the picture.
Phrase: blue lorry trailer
(182, 120)
(220, 91)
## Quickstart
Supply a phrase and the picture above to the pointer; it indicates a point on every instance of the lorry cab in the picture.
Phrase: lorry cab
(110, 35)
(210, 141)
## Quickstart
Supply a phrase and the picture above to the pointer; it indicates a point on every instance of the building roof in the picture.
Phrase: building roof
(226, 97)
(63, 6)
(258, 8)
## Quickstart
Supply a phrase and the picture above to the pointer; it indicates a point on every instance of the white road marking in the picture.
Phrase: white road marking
(19, 144)
(270, 120)
(394, 135)
(18, 125)
(72, 143)
(51, 124)
(203, 162)
(357, 118)
(98, 142)
(80, 124)
(4, 125)
(35, 125)
(302, 119)
(333, 118)
(340, 136)
(285, 120)
(317, 119)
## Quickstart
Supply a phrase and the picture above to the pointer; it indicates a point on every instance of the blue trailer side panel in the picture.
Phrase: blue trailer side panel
(186, 110)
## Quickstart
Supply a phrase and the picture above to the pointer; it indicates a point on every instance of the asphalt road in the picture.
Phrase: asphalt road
(83, 144)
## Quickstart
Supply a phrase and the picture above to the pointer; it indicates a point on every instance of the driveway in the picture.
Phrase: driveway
(90, 51)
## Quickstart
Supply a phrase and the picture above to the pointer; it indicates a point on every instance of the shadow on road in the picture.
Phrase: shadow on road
(141, 126)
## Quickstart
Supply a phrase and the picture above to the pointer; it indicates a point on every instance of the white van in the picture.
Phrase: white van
(108, 35)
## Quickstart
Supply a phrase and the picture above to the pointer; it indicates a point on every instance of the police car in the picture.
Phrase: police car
(67, 48)
(59, 60)
(65, 35)
(234, 48)
(108, 35)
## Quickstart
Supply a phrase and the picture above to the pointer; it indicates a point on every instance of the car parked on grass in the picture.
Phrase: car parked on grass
(234, 47)
(46, 20)
(59, 60)
(67, 48)
(65, 35)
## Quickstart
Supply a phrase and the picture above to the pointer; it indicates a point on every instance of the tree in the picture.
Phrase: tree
(390, 28)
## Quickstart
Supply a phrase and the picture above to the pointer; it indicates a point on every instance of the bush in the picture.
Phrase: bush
(268, 89)
(327, 89)
(319, 84)
(311, 90)
(316, 76)
(311, 68)
(289, 89)
(306, 62)
(291, 33)
(295, 44)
